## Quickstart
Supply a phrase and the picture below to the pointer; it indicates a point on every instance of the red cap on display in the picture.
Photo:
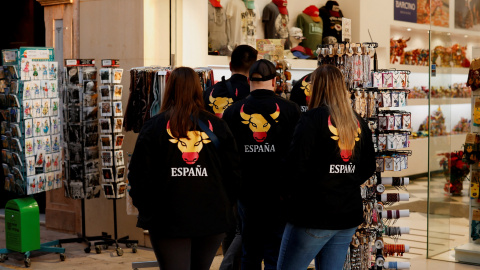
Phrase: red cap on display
(215, 3)
(282, 6)
(313, 12)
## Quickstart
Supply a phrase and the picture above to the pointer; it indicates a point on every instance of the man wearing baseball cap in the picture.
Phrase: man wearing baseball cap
(263, 126)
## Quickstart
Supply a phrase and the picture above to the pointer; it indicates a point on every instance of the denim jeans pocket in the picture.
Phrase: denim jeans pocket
(318, 233)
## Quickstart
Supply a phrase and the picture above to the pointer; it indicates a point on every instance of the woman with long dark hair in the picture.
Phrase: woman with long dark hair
(183, 176)
(330, 157)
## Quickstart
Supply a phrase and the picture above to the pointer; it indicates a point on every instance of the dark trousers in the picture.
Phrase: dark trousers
(262, 233)
(232, 246)
(185, 253)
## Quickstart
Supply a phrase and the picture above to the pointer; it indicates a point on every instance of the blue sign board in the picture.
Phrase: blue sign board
(405, 10)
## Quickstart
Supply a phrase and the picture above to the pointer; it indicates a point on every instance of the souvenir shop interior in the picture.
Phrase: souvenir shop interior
(74, 107)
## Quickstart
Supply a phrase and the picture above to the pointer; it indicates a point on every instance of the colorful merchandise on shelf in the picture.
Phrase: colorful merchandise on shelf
(455, 170)
(30, 133)
(454, 56)
(437, 120)
(463, 126)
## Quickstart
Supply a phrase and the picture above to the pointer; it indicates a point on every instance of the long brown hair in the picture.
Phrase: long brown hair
(182, 100)
(329, 89)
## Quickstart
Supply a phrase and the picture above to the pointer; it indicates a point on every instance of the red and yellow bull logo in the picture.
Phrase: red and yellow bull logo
(220, 104)
(344, 153)
(192, 145)
(258, 124)
(306, 89)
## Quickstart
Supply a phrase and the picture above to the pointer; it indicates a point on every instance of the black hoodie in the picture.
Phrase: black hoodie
(324, 182)
(184, 193)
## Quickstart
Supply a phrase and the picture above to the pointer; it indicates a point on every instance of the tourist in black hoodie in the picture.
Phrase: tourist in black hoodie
(263, 125)
(183, 179)
(331, 155)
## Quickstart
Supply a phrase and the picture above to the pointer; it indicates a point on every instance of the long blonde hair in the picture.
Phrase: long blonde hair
(329, 89)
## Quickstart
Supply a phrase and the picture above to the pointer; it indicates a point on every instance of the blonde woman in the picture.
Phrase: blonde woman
(331, 156)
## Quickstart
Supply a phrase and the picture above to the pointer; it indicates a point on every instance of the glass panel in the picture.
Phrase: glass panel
(450, 113)
(439, 146)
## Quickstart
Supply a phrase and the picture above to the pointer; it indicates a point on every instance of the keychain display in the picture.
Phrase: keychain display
(353, 59)
(80, 110)
(29, 104)
(391, 130)
(111, 123)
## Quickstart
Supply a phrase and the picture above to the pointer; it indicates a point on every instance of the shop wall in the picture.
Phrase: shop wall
(136, 33)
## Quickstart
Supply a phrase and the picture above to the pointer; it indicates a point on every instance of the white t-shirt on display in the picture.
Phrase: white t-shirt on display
(236, 22)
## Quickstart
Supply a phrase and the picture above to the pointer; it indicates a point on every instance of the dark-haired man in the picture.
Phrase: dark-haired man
(263, 125)
(226, 92)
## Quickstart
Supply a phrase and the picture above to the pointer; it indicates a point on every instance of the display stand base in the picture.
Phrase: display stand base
(110, 242)
(86, 239)
(50, 247)
(468, 253)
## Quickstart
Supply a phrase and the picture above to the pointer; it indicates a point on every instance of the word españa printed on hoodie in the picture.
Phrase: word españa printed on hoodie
(190, 148)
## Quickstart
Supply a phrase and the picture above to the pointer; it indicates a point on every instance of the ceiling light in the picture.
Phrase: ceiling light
(409, 29)
(466, 35)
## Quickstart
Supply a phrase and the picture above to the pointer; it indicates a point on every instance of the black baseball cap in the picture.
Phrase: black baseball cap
(264, 68)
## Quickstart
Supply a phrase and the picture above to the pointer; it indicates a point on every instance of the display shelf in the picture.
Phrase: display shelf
(468, 253)
(418, 162)
(437, 101)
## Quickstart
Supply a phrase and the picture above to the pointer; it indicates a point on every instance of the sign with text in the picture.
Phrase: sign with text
(405, 10)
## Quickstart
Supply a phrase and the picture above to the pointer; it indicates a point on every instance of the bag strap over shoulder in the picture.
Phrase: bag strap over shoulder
(230, 90)
(210, 133)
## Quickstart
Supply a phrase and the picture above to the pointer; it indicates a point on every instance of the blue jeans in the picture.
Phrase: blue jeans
(261, 237)
(301, 245)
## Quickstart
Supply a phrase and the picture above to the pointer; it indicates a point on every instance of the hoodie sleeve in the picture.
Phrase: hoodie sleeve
(231, 172)
(300, 152)
(139, 169)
